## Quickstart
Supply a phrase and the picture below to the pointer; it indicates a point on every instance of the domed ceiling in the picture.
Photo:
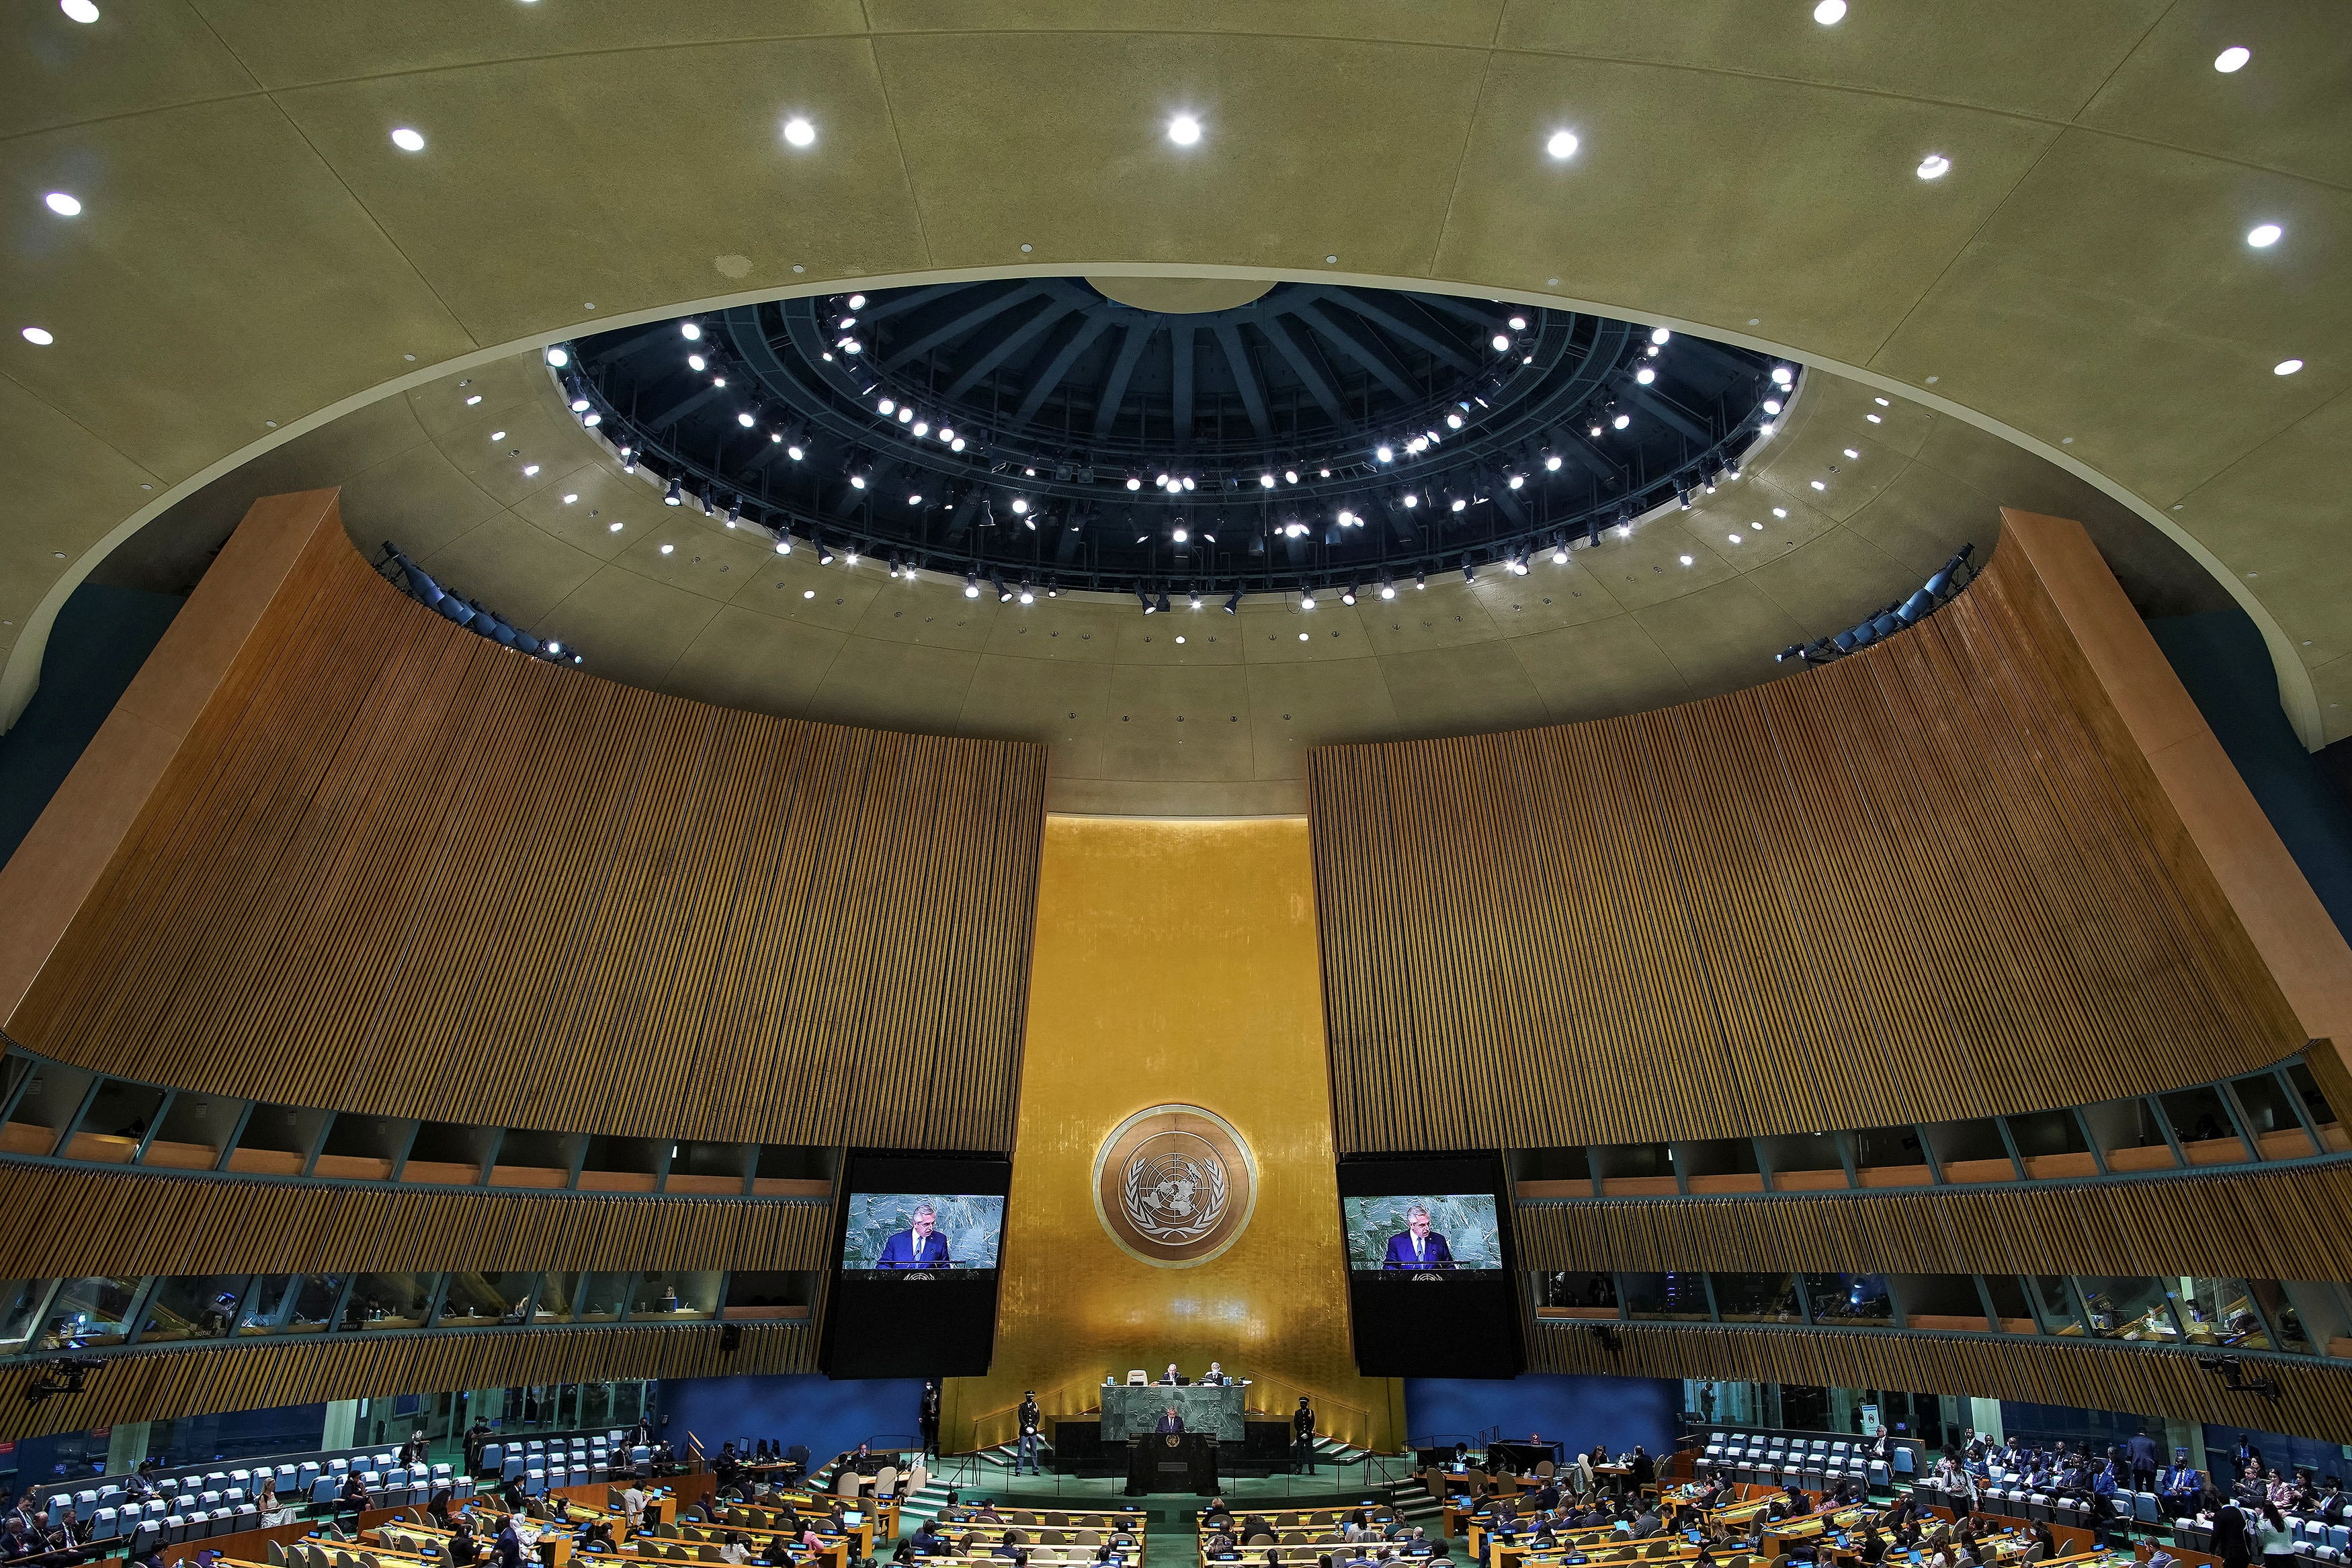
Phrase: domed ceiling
(1238, 438)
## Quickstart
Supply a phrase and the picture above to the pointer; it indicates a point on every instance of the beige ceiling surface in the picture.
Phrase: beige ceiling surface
(255, 256)
(1195, 713)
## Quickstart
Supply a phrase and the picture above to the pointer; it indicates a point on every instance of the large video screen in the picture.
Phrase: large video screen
(922, 1231)
(1430, 1281)
(1445, 1231)
(914, 1295)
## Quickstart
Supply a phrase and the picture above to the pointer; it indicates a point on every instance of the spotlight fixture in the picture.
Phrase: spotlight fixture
(799, 132)
(972, 585)
(996, 581)
(1561, 144)
(1682, 497)
(1026, 596)
(1306, 597)
(1145, 595)
(690, 330)
(1348, 594)
(1162, 606)
(1266, 481)
(1135, 481)
(1551, 459)
(555, 355)
(1420, 579)
(1782, 375)
(1193, 599)
(1645, 375)
(1388, 588)
(1622, 421)
(1384, 453)
(1469, 572)
(1233, 602)
(1184, 130)
(671, 496)
(735, 512)
(783, 542)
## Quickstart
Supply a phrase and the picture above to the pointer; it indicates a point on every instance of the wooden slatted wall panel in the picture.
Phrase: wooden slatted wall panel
(2280, 1223)
(1903, 887)
(139, 1223)
(2316, 1400)
(256, 1376)
(400, 869)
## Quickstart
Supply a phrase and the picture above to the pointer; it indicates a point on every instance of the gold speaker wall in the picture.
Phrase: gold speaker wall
(1175, 963)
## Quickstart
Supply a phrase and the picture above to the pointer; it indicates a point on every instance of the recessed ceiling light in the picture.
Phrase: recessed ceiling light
(1563, 144)
(1645, 375)
(85, 11)
(570, 498)
(1830, 13)
(1686, 560)
(666, 548)
(2231, 59)
(64, 205)
(498, 435)
(1935, 166)
(1184, 130)
(408, 140)
(799, 132)
(1733, 537)
(1850, 452)
(1779, 511)
(613, 527)
(1622, 421)
(528, 469)
(1782, 375)
(2284, 368)
(2262, 236)
(38, 337)
(1660, 337)
(1882, 403)
(1819, 486)
(1873, 418)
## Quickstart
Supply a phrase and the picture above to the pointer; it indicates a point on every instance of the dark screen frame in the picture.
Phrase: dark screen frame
(1464, 1323)
(941, 1327)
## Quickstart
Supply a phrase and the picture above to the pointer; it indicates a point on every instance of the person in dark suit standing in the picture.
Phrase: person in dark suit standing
(1302, 1437)
(1031, 1422)
(2142, 1448)
(1170, 1424)
(920, 1245)
(928, 1417)
(1417, 1246)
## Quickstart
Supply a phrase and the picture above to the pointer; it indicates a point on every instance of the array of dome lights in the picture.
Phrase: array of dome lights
(1471, 434)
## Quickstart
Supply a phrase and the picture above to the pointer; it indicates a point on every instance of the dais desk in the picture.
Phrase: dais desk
(1135, 1409)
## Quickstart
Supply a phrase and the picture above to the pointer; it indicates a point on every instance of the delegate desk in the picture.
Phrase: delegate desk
(1131, 1409)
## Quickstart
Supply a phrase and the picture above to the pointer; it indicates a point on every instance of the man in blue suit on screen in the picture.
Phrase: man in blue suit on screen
(917, 1246)
(1417, 1246)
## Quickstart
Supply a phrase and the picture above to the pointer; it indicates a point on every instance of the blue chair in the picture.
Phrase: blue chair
(146, 1536)
(513, 1467)
(1902, 1460)
(339, 1468)
(454, 608)
(323, 1492)
(305, 1478)
(396, 1478)
(2143, 1508)
(153, 1512)
(105, 1524)
(492, 1455)
(247, 1517)
(175, 1528)
(534, 1482)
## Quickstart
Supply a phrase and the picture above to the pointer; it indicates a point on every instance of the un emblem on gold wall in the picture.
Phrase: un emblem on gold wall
(1174, 1185)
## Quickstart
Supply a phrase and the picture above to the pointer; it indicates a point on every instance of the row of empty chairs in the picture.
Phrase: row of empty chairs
(560, 1462)
(1810, 1463)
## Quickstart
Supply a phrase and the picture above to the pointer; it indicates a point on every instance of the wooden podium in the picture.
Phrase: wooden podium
(1171, 1461)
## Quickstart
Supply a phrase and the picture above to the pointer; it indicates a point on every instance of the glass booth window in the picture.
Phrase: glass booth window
(20, 1300)
(1674, 1298)
(389, 1302)
(88, 1312)
(2222, 1312)
(2127, 1307)
(1757, 1299)
(1851, 1301)
(192, 1306)
(265, 1307)
(681, 1296)
(314, 1304)
(485, 1300)
(601, 1302)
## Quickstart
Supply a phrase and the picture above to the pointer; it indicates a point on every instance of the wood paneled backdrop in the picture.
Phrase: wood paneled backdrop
(399, 868)
(248, 1376)
(2278, 1222)
(1905, 887)
(127, 1222)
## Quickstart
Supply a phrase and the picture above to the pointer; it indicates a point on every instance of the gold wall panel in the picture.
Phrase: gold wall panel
(1175, 962)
